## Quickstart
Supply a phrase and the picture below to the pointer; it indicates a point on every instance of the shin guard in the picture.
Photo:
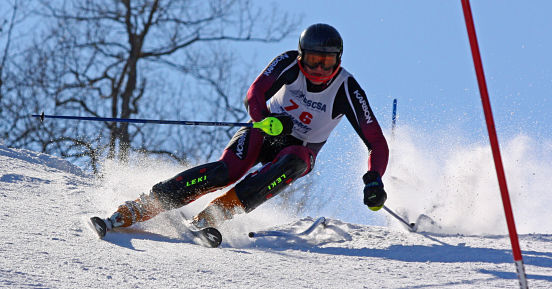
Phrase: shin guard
(252, 191)
(269, 181)
(191, 184)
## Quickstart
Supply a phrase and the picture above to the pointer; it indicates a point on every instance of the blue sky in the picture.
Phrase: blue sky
(418, 52)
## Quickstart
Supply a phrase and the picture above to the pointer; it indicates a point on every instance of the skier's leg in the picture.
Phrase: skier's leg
(240, 154)
(291, 163)
(175, 192)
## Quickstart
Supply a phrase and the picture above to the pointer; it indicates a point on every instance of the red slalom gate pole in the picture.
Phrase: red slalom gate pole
(494, 143)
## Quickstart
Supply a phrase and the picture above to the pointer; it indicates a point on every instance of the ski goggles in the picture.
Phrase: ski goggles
(313, 60)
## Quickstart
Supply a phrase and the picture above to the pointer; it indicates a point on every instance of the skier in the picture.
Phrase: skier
(309, 92)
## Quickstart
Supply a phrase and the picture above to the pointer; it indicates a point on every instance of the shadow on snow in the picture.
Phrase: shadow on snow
(124, 238)
(441, 252)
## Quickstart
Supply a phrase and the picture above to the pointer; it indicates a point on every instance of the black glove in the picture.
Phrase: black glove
(287, 122)
(374, 195)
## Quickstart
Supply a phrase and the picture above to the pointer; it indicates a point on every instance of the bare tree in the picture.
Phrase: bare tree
(148, 58)
(14, 25)
(4, 54)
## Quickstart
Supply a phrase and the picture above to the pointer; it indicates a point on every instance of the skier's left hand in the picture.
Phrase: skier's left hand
(374, 195)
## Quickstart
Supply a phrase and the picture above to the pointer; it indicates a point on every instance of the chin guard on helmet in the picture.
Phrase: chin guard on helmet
(314, 78)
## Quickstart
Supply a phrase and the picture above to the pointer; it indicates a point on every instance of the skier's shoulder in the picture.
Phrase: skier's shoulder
(349, 94)
(290, 54)
(281, 62)
(284, 58)
(352, 83)
(346, 76)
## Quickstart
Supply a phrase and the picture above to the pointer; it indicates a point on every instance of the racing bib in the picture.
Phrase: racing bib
(311, 111)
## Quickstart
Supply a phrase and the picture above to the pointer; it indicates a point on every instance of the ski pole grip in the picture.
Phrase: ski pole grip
(270, 125)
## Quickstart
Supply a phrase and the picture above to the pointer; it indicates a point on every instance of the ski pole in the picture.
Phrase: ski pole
(270, 125)
(394, 117)
(411, 226)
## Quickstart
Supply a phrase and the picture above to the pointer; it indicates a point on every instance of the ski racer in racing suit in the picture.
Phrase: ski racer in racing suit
(309, 92)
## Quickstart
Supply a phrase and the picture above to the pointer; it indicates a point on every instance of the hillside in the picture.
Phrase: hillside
(45, 243)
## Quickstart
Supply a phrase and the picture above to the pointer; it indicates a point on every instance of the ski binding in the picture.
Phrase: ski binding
(210, 237)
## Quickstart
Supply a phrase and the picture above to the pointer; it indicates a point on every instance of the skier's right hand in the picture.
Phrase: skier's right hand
(287, 122)
(374, 195)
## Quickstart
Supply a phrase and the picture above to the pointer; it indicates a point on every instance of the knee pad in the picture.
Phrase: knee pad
(189, 185)
(269, 181)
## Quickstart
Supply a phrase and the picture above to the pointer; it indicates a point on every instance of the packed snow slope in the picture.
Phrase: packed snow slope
(45, 242)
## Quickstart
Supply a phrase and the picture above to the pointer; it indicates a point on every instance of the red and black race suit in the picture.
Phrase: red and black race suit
(315, 110)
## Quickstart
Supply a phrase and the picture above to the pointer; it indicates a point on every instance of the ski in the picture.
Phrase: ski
(209, 237)
(276, 233)
(98, 225)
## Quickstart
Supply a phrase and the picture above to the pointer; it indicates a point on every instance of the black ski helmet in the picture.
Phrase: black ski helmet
(321, 38)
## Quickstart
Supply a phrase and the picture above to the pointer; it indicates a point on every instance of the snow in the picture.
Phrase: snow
(45, 202)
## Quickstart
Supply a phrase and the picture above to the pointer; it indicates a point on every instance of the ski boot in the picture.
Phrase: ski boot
(131, 212)
(100, 226)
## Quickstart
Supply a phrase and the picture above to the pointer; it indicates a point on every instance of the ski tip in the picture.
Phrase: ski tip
(251, 234)
(98, 225)
(323, 222)
(211, 237)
